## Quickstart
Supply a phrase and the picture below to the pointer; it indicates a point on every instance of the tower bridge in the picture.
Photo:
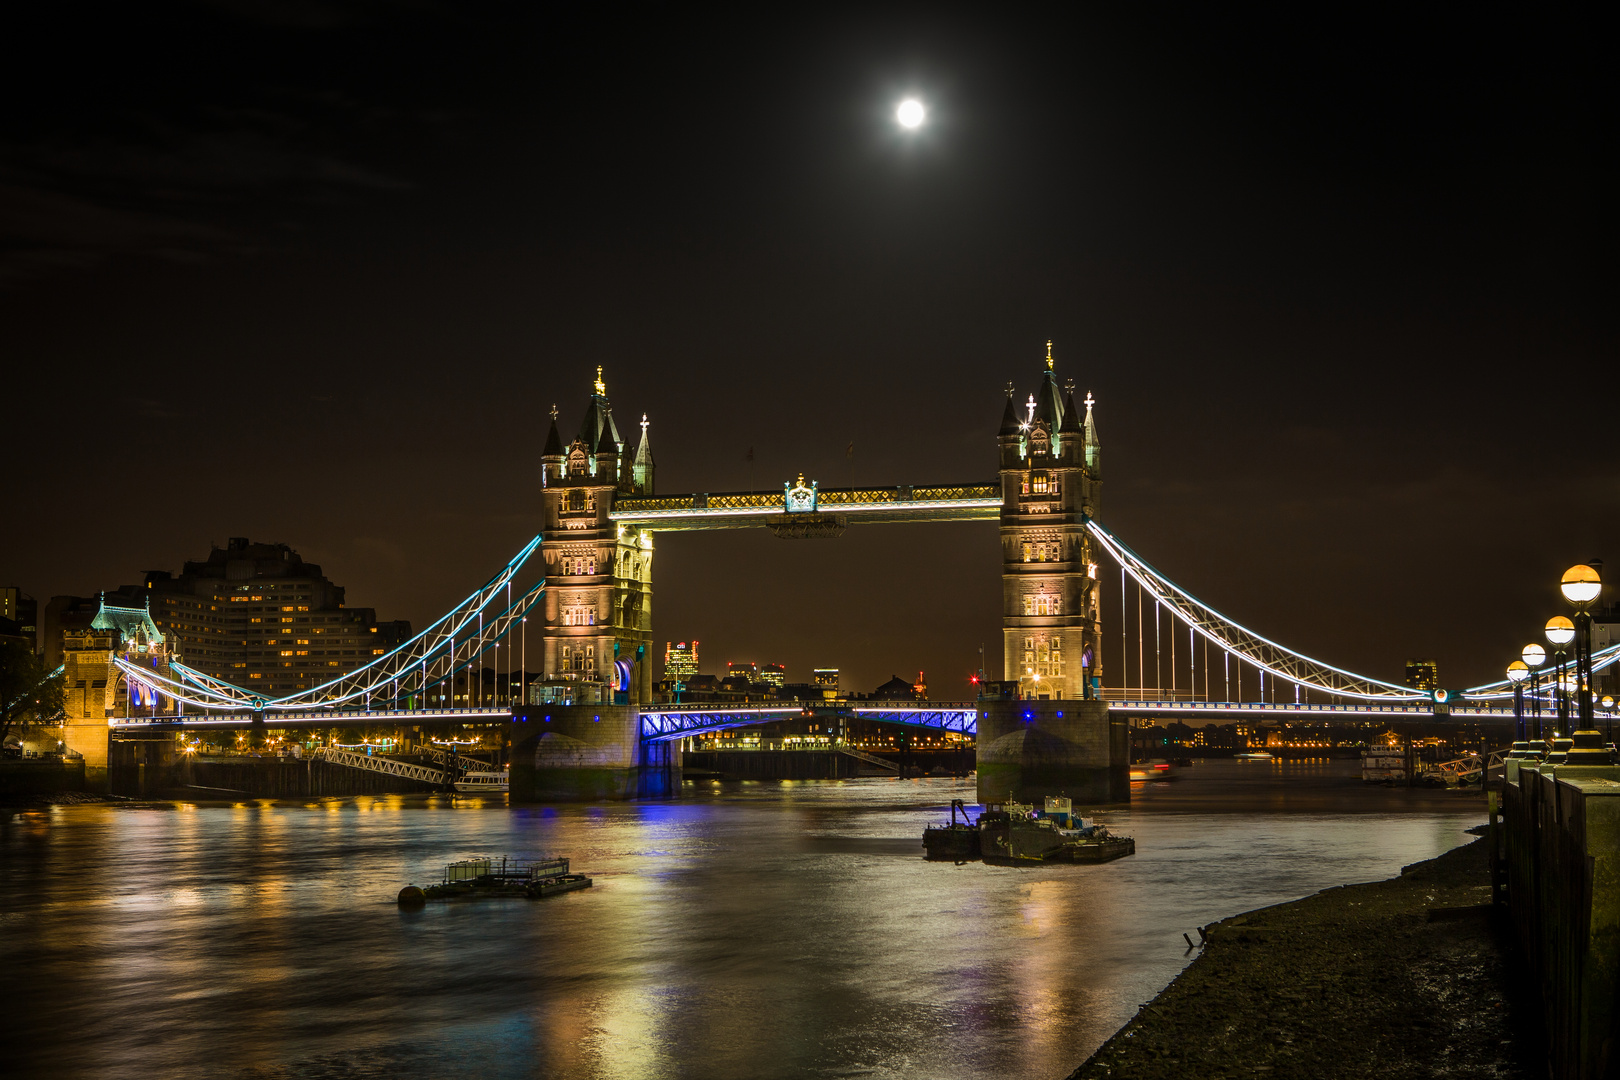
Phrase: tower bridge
(588, 726)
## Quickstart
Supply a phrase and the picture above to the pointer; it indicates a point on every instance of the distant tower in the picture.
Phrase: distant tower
(598, 606)
(1050, 481)
(96, 689)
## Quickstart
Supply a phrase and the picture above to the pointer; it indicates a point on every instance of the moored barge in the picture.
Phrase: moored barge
(475, 879)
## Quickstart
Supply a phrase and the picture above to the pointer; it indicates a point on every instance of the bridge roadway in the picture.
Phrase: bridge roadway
(665, 721)
(800, 505)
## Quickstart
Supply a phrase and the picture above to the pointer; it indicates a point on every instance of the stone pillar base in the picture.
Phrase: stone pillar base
(588, 753)
(1028, 750)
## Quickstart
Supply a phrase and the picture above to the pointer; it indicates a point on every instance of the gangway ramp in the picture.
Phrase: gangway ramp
(388, 766)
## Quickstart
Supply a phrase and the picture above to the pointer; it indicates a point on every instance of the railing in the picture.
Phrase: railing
(1302, 708)
(1471, 765)
(313, 718)
(676, 721)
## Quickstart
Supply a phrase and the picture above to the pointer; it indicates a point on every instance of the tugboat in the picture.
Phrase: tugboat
(476, 879)
(957, 842)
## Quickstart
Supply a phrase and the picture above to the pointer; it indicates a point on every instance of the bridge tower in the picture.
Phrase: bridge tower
(1050, 482)
(95, 689)
(597, 634)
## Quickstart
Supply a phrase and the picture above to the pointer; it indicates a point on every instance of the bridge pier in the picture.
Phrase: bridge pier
(588, 753)
(1032, 749)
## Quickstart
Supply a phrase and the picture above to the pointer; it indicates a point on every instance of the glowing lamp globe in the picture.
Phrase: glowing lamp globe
(1534, 655)
(1568, 684)
(1608, 701)
(1581, 585)
(1518, 671)
(1560, 631)
(910, 114)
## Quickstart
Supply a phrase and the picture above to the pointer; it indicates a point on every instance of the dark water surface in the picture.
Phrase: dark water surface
(758, 930)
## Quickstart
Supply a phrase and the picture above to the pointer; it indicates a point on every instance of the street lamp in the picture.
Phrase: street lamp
(1534, 656)
(1581, 585)
(1559, 632)
(1517, 673)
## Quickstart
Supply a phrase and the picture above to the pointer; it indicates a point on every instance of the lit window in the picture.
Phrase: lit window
(1037, 483)
(1026, 551)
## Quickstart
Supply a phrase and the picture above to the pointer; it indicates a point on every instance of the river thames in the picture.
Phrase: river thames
(772, 929)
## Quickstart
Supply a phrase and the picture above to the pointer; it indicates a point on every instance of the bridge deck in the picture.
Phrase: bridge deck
(753, 509)
(672, 721)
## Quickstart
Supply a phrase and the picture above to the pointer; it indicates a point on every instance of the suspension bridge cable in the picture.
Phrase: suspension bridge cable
(1266, 655)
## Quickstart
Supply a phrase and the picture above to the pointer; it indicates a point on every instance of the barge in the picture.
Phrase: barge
(1015, 834)
(477, 879)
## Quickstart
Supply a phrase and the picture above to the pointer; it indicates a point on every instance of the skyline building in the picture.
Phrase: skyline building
(18, 607)
(1422, 675)
(680, 660)
(258, 616)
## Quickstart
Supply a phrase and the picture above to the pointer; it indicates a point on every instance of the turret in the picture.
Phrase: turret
(552, 457)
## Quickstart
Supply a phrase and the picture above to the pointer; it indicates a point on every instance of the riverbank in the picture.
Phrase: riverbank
(1410, 977)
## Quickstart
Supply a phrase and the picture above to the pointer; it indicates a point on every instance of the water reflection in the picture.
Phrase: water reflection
(750, 930)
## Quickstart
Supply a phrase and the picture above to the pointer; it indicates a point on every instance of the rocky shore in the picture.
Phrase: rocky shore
(1410, 977)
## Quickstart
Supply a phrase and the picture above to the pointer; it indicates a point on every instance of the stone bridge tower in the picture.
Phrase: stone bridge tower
(597, 635)
(1050, 482)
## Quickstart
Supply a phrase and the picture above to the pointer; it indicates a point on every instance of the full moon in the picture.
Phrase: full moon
(910, 113)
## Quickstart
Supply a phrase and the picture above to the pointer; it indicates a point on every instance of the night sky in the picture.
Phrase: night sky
(1341, 280)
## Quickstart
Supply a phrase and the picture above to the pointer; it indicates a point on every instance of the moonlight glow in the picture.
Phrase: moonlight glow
(910, 114)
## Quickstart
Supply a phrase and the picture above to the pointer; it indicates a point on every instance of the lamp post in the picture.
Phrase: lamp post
(1517, 673)
(1534, 656)
(1560, 632)
(1581, 585)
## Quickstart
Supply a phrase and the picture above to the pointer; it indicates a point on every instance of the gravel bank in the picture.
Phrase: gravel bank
(1410, 977)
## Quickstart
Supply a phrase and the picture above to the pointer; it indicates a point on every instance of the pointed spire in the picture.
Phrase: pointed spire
(1009, 416)
(610, 443)
(553, 440)
(1048, 399)
(644, 451)
(1093, 446)
(641, 470)
(1071, 415)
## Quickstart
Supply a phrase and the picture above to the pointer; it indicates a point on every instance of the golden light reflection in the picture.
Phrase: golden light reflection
(625, 1037)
